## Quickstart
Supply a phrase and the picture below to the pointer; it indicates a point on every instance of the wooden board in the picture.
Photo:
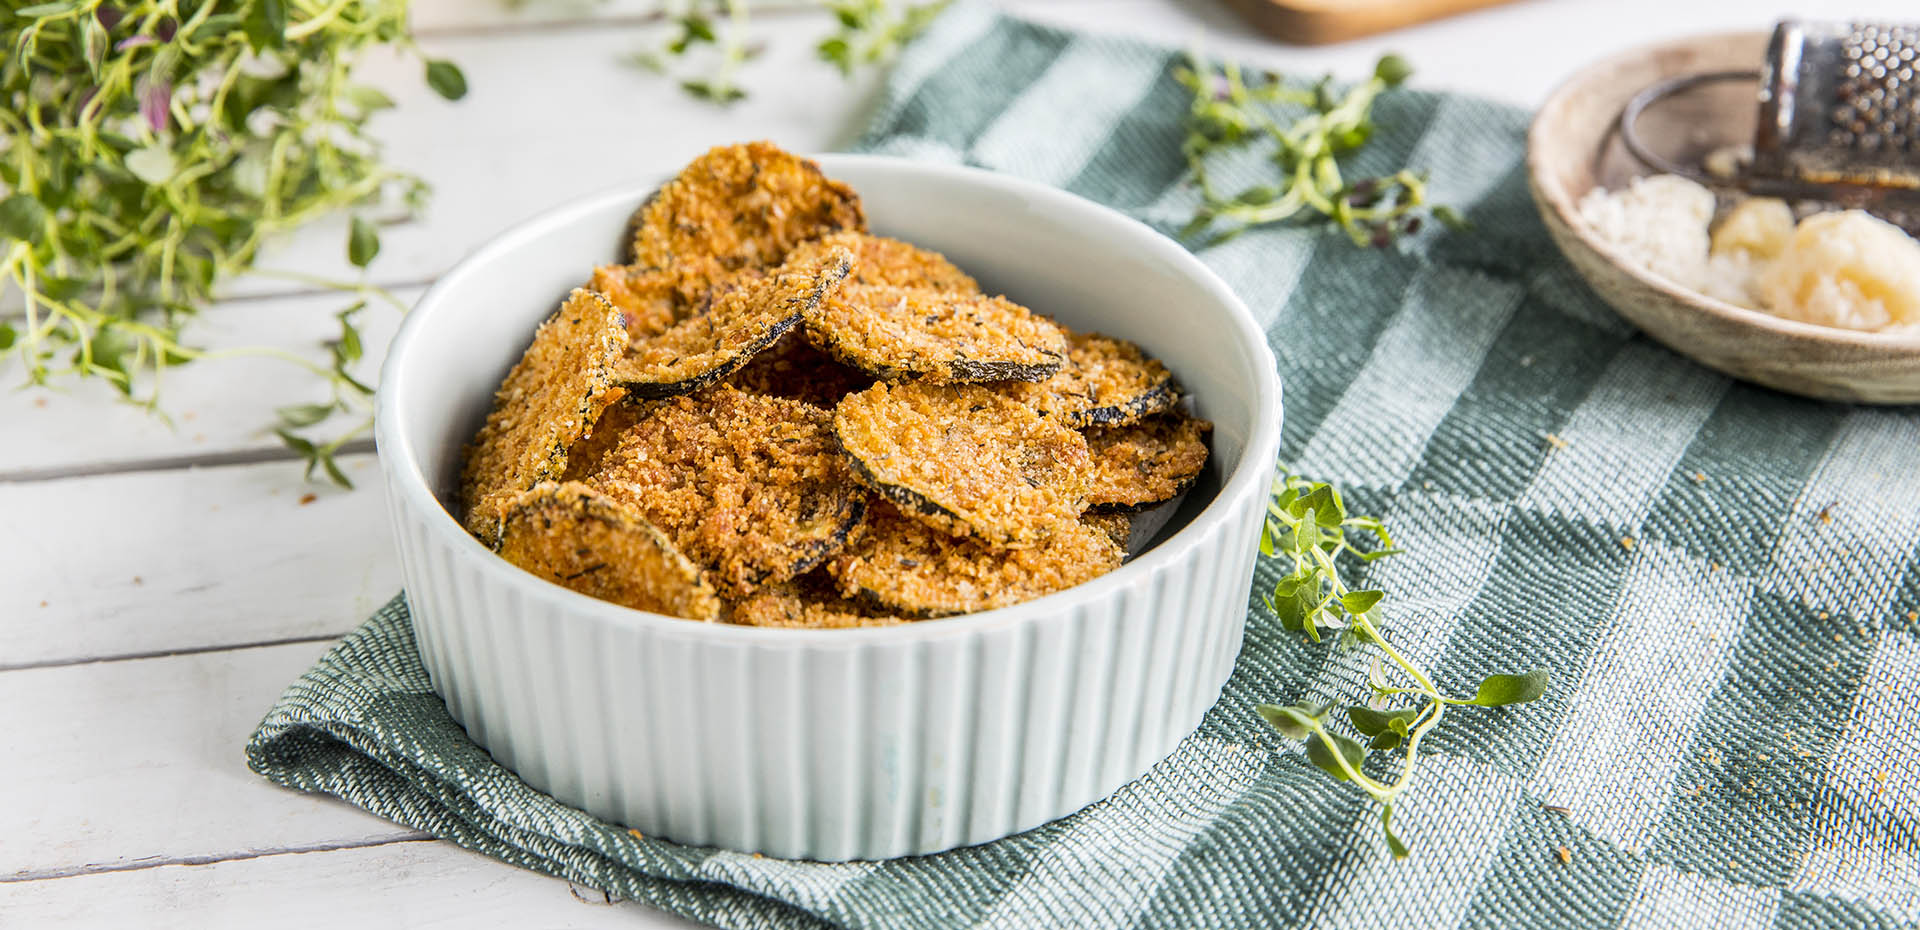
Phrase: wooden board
(1318, 22)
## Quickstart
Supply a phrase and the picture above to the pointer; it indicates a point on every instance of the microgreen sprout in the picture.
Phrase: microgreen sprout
(707, 43)
(1307, 527)
(1231, 110)
(149, 147)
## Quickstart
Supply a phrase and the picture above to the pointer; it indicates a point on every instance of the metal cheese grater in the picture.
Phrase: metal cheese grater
(1839, 119)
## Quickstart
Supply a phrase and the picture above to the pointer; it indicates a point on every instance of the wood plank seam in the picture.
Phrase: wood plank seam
(171, 463)
(169, 653)
(99, 868)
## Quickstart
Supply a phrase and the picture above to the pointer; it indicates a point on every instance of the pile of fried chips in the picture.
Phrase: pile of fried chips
(770, 417)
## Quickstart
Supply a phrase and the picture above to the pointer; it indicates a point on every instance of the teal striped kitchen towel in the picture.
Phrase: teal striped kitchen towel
(1721, 579)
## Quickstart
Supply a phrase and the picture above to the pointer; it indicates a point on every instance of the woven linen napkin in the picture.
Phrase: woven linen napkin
(1721, 579)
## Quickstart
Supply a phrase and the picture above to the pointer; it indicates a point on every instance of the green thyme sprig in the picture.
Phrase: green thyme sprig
(708, 41)
(870, 32)
(1230, 111)
(1307, 527)
(705, 48)
(148, 149)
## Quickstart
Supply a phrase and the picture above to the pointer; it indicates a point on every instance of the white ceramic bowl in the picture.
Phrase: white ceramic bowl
(839, 744)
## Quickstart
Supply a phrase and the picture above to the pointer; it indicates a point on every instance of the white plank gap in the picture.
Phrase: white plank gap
(168, 561)
(422, 885)
(113, 763)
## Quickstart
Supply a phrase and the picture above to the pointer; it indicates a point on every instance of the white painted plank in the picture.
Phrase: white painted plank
(422, 885)
(111, 763)
(431, 17)
(215, 406)
(180, 559)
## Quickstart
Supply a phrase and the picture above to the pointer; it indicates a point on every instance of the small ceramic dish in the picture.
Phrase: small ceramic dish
(840, 744)
(1573, 146)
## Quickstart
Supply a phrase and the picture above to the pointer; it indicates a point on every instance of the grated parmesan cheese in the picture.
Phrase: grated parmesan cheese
(1843, 269)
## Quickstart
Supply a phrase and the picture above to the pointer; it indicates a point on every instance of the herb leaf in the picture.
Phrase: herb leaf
(1394, 845)
(1324, 744)
(1307, 530)
(303, 415)
(1304, 132)
(1293, 721)
(1502, 690)
(266, 24)
(22, 217)
(363, 242)
(446, 78)
(1360, 602)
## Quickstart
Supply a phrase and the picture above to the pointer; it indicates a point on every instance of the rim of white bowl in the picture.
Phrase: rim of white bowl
(404, 476)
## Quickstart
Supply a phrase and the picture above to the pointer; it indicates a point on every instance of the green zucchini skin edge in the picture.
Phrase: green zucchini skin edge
(960, 371)
(658, 390)
(1161, 397)
(829, 279)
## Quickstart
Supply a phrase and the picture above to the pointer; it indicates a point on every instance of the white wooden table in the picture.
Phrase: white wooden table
(160, 586)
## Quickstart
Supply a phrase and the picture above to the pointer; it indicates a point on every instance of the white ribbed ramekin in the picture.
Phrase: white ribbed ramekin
(839, 744)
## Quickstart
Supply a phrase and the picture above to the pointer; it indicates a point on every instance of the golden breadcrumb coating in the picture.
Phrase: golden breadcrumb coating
(809, 602)
(572, 536)
(699, 431)
(647, 298)
(1105, 382)
(1135, 467)
(794, 368)
(744, 320)
(735, 207)
(965, 460)
(880, 260)
(589, 454)
(751, 488)
(908, 334)
(900, 564)
(547, 402)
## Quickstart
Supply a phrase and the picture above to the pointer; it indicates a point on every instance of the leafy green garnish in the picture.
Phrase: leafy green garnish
(1307, 525)
(873, 31)
(1308, 130)
(707, 43)
(149, 147)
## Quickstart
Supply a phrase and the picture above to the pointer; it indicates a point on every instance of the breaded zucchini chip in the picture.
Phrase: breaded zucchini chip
(572, 536)
(589, 455)
(880, 260)
(751, 488)
(1117, 526)
(920, 334)
(809, 602)
(793, 368)
(1138, 466)
(1106, 382)
(899, 564)
(735, 207)
(647, 298)
(965, 460)
(547, 402)
(743, 321)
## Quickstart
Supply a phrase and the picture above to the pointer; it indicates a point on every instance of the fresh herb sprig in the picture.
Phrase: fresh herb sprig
(1307, 528)
(1231, 111)
(870, 32)
(709, 40)
(149, 147)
